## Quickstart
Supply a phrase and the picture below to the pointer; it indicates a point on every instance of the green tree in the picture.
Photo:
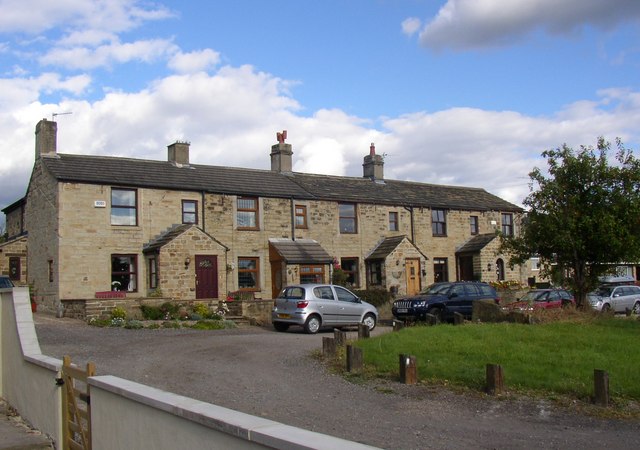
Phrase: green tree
(583, 216)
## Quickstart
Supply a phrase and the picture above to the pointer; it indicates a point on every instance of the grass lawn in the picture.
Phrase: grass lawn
(554, 357)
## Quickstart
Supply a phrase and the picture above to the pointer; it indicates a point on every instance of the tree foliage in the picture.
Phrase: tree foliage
(583, 215)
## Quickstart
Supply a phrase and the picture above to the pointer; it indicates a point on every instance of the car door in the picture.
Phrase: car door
(553, 300)
(618, 298)
(326, 305)
(349, 306)
(461, 299)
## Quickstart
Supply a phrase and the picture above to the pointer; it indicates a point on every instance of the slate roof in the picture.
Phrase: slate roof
(385, 247)
(476, 243)
(118, 171)
(301, 251)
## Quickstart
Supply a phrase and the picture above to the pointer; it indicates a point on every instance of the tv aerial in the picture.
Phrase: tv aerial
(54, 115)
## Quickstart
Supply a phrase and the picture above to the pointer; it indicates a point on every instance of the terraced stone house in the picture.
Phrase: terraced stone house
(92, 226)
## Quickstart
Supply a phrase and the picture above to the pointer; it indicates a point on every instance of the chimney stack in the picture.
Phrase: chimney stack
(46, 138)
(373, 166)
(178, 153)
(281, 160)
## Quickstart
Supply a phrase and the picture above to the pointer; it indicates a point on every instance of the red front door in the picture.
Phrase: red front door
(206, 276)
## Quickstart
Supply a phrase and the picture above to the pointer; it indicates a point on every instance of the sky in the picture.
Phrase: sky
(456, 92)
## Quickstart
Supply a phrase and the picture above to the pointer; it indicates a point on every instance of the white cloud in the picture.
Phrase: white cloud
(90, 58)
(37, 16)
(194, 61)
(483, 23)
(17, 92)
(411, 26)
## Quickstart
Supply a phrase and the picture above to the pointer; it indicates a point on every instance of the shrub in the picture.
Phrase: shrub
(377, 297)
(201, 310)
(118, 313)
(208, 325)
(169, 310)
(133, 325)
(151, 312)
(99, 322)
(171, 324)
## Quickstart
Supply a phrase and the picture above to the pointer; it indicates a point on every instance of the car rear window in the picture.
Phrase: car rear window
(292, 292)
(486, 291)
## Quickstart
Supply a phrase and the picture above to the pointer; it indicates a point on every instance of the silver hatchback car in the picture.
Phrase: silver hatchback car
(313, 306)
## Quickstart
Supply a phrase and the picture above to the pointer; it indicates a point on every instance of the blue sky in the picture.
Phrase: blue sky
(462, 92)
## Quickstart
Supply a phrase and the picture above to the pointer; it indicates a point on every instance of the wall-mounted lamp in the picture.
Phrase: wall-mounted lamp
(489, 267)
(397, 262)
(187, 261)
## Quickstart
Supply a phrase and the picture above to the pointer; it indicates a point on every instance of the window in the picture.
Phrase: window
(393, 221)
(124, 273)
(473, 224)
(348, 220)
(189, 211)
(500, 269)
(440, 269)
(301, 216)
(344, 295)
(535, 263)
(438, 222)
(374, 272)
(311, 274)
(14, 268)
(507, 224)
(249, 273)
(350, 268)
(247, 214)
(153, 273)
(124, 210)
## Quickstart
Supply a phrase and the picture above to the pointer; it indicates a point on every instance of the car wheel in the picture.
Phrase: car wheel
(606, 307)
(370, 321)
(437, 312)
(280, 326)
(636, 308)
(312, 325)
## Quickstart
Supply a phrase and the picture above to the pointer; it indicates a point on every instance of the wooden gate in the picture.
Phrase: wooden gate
(76, 406)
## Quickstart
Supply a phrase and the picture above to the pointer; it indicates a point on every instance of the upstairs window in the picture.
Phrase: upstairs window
(438, 222)
(124, 207)
(507, 224)
(348, 218)
(473, 224)
(393, 221)
(247, 214)
(189, 211)
(301, 216)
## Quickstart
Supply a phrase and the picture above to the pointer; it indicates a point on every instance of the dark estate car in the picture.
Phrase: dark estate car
(5, 282)
(542, 299)
(443, 300)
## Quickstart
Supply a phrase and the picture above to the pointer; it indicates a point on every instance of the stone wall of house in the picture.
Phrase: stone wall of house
(14, 222)
(15, 248)
(41, 219)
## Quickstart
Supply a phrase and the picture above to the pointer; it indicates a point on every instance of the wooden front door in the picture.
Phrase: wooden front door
(412, 269)
(206, 276)
(465, 267)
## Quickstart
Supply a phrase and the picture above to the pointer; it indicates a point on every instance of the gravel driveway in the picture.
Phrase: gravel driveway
(273, 375)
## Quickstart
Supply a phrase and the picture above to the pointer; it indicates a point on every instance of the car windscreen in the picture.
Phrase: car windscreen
(604, 291)
(437, 289)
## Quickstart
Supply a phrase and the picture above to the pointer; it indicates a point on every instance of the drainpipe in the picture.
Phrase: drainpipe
(293, 219)
(202, 194)
(410, 209)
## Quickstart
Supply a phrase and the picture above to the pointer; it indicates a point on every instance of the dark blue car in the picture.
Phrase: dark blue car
(442, 300)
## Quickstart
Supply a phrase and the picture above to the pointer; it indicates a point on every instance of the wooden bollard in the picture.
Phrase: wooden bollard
(354, 358)
(458, 319)
(495, 379)
(398, 325)
(601, 387)
(431, 319)
(328, 346)
(340, 337)
(408, 369)
(363, 331)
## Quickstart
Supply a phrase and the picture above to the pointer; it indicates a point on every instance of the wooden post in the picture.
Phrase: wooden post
(340, 337)
(363, 331)
(601, 387)
(458, 319)
(431, 319)
(408, 369)
(328, 346)
(495, 379)
(354, 358)
(398, 325)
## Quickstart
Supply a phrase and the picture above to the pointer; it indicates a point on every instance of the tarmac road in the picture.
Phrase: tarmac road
(274, 375)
